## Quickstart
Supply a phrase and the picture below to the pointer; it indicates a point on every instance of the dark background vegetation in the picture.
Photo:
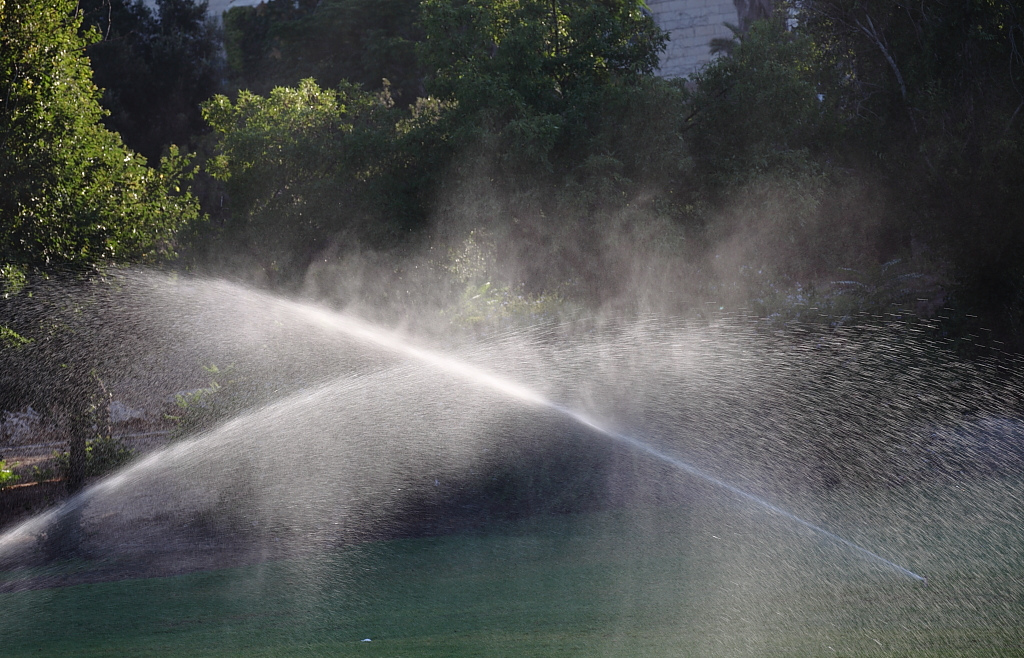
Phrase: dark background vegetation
(500, 159)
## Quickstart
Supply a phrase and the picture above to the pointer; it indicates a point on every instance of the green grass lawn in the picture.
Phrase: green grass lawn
(713, 579)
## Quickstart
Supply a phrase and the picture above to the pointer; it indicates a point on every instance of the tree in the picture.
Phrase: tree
(553, 101)
(553, 108)
(761, 108)
(362, 41)
(71, 194)
(73, 198)
(528, 76)
(936, 91)
(154, 69)
(302, 167)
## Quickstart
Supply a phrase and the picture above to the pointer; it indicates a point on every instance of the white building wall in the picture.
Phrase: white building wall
(691, 25)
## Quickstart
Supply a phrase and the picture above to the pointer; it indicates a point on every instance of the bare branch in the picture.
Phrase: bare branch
(872, 33)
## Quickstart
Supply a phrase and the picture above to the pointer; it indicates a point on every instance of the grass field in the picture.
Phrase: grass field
(712, 579)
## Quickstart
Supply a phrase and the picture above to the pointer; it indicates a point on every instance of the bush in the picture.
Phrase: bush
(7, 477)
(102, 455)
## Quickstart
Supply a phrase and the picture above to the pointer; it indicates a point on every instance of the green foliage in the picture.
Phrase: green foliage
(760, 110)
(302, 167)
(71, 194)
(912, 71)
(527, 79)
(42, 473)
(554, 114)
(484, 305)
(102, 455)
(554, 100)
(860, 133)
(933, 92)
(534, 54)
(500, 307)
(364, 42)
(12, 280)
(12, 339)
(7, 476)
(154, 68)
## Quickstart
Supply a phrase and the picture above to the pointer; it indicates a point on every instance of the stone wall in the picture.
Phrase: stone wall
(691, 25)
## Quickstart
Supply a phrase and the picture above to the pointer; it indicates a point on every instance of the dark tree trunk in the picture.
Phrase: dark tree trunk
(77, 434)
(63, 540)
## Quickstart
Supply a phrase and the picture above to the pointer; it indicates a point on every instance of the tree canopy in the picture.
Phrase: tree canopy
(532, 77)
(838, 133)
(281, 42)
(154, 69)
(545, 94)
(935, 94)
(73, 199)
(528, 145)
(301, 167)
(71, 194)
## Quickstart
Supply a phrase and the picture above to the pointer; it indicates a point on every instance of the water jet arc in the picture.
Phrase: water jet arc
(379, 337)
(696, 472)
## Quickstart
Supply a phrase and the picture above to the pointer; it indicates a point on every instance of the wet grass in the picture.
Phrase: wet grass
(712, 579)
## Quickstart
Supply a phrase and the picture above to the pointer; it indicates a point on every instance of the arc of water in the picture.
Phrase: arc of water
(379, 337)
(696, 472)
(373, 335)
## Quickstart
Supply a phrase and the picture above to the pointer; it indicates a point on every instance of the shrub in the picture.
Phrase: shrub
(102, 455)
(7, 476)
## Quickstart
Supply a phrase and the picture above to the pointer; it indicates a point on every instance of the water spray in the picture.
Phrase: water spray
(384, 339)
(392, 342)
(696, 472)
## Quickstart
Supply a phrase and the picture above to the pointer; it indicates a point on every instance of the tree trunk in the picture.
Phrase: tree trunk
(77, 435)
(63, 539)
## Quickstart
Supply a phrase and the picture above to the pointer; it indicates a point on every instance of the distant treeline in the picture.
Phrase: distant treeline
(838, 147)
(850, 154)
